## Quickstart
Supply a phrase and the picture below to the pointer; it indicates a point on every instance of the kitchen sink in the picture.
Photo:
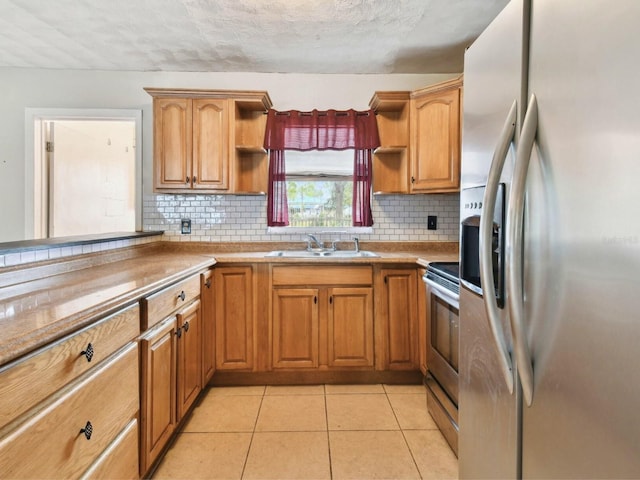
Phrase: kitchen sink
(321, 254)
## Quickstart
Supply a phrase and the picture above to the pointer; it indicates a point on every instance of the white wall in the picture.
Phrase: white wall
(40, 88)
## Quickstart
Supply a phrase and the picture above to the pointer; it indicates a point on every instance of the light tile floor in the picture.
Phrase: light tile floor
(310, 432)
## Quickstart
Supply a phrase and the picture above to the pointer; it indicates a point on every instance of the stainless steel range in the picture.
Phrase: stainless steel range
(443, 287)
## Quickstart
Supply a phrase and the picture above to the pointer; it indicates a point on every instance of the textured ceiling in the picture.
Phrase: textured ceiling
(301, 36)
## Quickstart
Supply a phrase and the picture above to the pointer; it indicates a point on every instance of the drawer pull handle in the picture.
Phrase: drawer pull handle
(179, 332)
(186, 326)
(182, 296)
(87, 430)
(208, 283)
(88, 352)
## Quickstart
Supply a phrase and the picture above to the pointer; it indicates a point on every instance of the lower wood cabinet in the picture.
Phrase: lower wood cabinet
(189, 372)
(158, 390)
(171, 375)
(295, 328)
(68, 432)
(120, 459)
(350, 327)
(397, 319)
(207, 296)
(315, 325)
(234, 317)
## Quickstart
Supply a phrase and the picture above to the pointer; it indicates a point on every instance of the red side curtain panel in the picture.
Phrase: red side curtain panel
(320, 130)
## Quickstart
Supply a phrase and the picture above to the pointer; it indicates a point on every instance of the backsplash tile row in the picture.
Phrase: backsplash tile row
(54, 253)
(229, 218)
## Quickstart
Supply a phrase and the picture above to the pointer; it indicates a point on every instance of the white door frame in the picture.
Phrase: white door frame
(33, 200)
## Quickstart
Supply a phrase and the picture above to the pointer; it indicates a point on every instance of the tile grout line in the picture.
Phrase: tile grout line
(326, 418)
(255, 424)
(415, 464)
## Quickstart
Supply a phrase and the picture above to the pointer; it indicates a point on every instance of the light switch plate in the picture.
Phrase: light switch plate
(185, 226)
(432, 222)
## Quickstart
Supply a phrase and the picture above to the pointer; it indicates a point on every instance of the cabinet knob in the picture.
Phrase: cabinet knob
(187, 180)
(413, 180)
(315, 300)
(88, 352)
(208, 283)
(182, 296)
(195, 179)
(186, 326)
(331, 300)
(87, 430)
(179, 332)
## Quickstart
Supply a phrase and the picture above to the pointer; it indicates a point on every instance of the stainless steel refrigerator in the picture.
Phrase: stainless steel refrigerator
(550, 243)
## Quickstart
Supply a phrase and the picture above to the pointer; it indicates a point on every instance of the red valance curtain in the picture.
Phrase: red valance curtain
(320, 130)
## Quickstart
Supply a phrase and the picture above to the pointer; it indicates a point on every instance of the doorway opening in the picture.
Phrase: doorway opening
(86, 173)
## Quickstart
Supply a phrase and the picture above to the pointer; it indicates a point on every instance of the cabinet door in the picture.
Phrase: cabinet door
(172, 143)
(158, 418)
(208, 327)
(234, 317)
(350, 327)
(189, 357)
(295, 328)
(210, 144)
(399, 319)
(435, 152)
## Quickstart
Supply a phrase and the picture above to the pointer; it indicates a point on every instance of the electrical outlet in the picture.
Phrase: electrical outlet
(185, 226)
(432, 222)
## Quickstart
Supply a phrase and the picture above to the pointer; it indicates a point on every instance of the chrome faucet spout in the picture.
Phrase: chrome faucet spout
(357, 243)
(312, 238)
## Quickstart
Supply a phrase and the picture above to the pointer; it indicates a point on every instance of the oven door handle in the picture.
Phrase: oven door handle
(443, 293)
(515, 229)
(486, 245)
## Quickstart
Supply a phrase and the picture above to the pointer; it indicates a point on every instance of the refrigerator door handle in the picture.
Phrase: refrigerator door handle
(486, 240)
(514, 248)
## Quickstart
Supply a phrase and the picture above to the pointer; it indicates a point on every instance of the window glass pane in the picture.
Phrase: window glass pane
(319, 188)
(320, 203)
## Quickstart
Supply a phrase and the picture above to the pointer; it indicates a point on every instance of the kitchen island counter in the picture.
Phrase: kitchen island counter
(40, 303)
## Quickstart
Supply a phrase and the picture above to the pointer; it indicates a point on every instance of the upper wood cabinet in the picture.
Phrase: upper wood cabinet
(435, 138)
(419, 139)
(391, 159)
(209, 141)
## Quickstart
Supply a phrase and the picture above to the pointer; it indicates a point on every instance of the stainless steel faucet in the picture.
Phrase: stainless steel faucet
(357, 242)
(312, 238)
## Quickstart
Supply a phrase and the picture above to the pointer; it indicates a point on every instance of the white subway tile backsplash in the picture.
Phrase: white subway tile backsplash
(228, 218)
(224, 218)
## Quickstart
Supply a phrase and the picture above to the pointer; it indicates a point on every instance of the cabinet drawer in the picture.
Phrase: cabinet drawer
(50, 444)
(159, 305)
(27, 381)
(322, 275)
(120, 459)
